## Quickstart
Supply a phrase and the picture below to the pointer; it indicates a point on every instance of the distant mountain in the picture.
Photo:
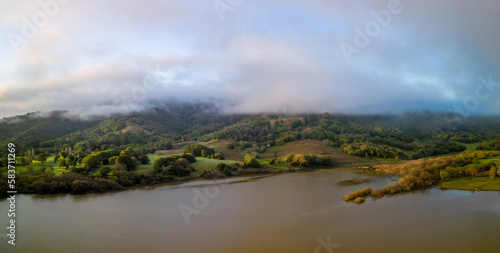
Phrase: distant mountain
(32, 129)
(405, 136)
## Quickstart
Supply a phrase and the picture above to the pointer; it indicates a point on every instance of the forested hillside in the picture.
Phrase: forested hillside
(408, 136)
(57, 154)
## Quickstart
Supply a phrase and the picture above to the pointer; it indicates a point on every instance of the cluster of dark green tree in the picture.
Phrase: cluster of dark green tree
(372, 150)
(99, 141)
(251, 129)
(175, 165)
(106, 178)
(67, 158)
(250, 162)
(131, 158)
(203, 151)
(248, 147)
(427, 172)
(304, 160)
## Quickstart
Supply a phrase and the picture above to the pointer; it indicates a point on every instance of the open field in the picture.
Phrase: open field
(472, 146)
(313, 147)
(37, 166)
(472, 184)
(201, 164)
(220, 146)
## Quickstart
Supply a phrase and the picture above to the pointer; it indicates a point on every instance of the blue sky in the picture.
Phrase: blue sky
(93, 57)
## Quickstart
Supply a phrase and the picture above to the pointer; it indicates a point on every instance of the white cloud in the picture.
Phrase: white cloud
(264, 56)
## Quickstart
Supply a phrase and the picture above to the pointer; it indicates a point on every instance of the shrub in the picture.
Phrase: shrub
(309, 160)
(272, 161)
(231, 146)
(377, 193)
(175, 170)
(444, 175)
(94, 186)
(251, 162)
(130, 162)
(145, 177)
(359, 193)
(162, 162)
(183, 162)
(103, 172)
(199, 150)
(218, 156)
(144, 159)
(290, 158)
(79, 170)
(225, 169)
(120, 175)
(471, 171)
(359, 200)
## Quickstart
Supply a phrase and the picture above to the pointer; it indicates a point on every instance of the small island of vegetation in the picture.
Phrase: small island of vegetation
(470, 170)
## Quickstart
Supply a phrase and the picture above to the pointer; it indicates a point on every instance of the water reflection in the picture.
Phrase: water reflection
(279, 213)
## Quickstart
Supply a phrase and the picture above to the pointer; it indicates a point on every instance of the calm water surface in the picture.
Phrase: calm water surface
(296, 212)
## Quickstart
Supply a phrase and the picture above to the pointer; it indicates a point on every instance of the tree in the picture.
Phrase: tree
(219, 156)
(444, 175)
(63, 154)
(251, 162)
(199, 150)
(183, 162)
(296, 123)
(144, 159)
(471, 171)
(103, 172)
(128, 152)
(91, 161)
(493, 172)
(63, 163)
(41, 158)
(128, 161)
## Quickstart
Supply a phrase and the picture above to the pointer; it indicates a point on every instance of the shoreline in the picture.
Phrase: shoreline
(175, 181)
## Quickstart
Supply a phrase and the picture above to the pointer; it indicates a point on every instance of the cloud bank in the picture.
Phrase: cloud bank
(95, 57)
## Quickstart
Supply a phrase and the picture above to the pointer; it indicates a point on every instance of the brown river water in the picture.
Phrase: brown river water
(294, 212)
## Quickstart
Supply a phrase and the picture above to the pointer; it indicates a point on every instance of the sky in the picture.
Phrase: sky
(379, 56)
